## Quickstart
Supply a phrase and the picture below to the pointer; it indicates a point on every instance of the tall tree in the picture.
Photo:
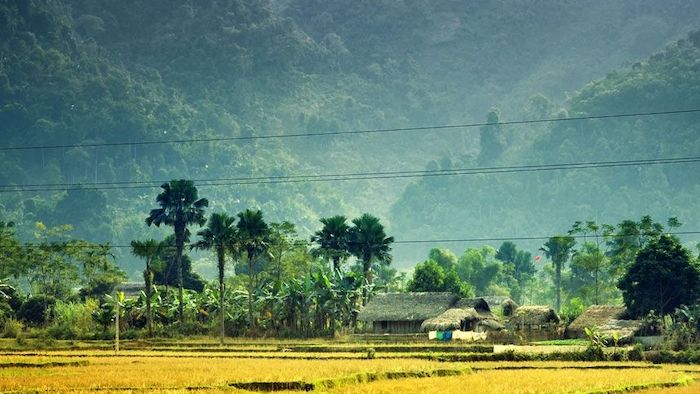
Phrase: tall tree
(368, 242)
(663, 277)
(218, 236)
(179, 208)
(148, 250)
(332, 241)
(254, 240)
(519, 263)
(558, 249)
(491, 139)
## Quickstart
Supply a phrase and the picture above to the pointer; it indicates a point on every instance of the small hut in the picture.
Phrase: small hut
(501, 304)
(535, 322)
(453, 319)
(479, 304)
(608, 320)
(401, 313)
(130, 289)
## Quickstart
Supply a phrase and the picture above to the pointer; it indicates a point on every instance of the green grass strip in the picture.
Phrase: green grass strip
(47, 364)
(360, 378)
(683, 381)
(550, 367)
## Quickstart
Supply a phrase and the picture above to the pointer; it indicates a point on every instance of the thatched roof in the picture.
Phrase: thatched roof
(130, 289)
(495, 301)
(451, 319)
(607, 319)
(479, 304)
(535, 315)
(596, 316)
(406, 306)
(503, 303)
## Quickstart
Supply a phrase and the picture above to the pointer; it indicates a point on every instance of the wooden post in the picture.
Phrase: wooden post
(116, 331)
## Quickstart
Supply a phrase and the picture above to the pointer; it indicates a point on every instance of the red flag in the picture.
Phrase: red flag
(538, 258)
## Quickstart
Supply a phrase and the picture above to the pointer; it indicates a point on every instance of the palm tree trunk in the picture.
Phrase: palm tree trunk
(149, 285)
(367, 271)
(336, 264)
(251, 321)
(179, 244)
(558, 278)
(221, 257)
(596, 286)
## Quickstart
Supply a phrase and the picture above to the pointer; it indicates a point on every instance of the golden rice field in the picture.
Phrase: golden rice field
(145, 371)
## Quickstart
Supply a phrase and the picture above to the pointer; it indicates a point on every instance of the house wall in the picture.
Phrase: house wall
(396, 327)
(538, 332)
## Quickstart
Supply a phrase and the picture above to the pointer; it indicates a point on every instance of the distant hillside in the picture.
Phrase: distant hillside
(545, 203)
(93, 71)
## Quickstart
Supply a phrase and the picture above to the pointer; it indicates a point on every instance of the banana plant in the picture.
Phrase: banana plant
(118, 302)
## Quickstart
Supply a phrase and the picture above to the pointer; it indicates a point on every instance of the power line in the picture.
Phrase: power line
(352, 132)
(242, 181)
(443, 240)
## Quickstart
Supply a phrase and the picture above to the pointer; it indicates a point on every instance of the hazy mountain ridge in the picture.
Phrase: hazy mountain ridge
(541, 203)
(79, 71)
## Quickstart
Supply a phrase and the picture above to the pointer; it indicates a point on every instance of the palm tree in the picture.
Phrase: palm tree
(179, 207)
(148, 250)
(368, 242)
(218, 235)
(558, 249)
(332, 241)
(253, 239)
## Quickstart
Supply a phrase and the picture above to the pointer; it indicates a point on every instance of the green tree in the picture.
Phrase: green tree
(663, 277)
(444, 257)
(587, 265)
(427, 276)
(11, 252)
(479, 268)
(149, 250)
(629, 238)
(164, 269)
(558, 249)
(332, 241)
(368, 242)
(179, 207)
(491, 139)
(254, 240)
(217, 236)
(520, 265)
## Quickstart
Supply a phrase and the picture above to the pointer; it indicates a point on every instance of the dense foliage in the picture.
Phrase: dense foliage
(663, 277)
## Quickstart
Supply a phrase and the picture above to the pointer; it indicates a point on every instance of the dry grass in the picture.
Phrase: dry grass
(513, 381)
(145, 371)
(173, 372)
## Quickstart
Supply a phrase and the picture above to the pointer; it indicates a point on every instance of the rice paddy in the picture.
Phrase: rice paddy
(252, 366)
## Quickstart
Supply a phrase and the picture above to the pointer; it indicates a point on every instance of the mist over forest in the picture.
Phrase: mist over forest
(90, 83)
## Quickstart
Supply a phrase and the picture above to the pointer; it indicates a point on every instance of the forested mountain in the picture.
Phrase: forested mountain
(81, 72)
(547, 202)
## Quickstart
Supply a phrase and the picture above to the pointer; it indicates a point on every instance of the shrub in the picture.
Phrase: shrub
(74, 320)
(636, 353)
(572, 309)
(371, 353)
(11, 328)
(37, 311)
(6, 311)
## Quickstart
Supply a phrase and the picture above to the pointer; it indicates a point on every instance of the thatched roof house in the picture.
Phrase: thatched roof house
(535, 315)
(130, 289)
(608, 320)
(536, 322)
(452, 319)
(464, 319)
(479, 304)
(502, 304)
(399, 313)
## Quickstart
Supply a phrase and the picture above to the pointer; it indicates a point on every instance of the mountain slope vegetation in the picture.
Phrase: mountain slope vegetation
(76, 72)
